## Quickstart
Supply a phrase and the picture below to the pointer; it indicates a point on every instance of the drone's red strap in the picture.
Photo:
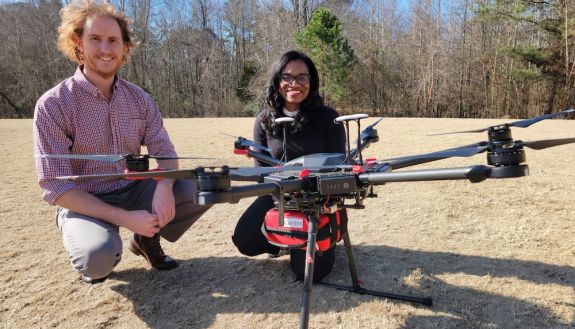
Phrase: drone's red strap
(241, 152)
(357, 169)
(370, 161)
(126, 171)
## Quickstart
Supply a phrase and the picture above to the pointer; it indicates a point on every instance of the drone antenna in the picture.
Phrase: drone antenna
(345, 119)
(284, 121)
(347, 147)
(359, 142)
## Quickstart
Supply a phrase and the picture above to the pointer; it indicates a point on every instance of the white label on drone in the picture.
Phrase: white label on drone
(293, 222)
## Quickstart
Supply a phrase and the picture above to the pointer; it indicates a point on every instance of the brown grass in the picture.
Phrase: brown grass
(498, 254)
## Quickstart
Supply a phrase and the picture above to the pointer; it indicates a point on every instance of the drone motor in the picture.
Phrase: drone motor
(505, 154)
(137, 162)
(213, 181)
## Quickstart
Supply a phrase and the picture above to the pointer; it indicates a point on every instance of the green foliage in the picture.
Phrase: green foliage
(242, 91)
(544, 19)
(330, 51)
(251, 109)
(548, 17)
(521, 8)
(536, 56)
(525, 73)
(552, 25)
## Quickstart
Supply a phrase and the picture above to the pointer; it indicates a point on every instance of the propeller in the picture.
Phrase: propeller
(239, 173)
(248, 173)
(373, 124)
(111, 158)
(463, 151)
(246, 142)
(545, 143)
(471, 150)
(254, 173)
(366, 132)
(168, 173)
(521, 123)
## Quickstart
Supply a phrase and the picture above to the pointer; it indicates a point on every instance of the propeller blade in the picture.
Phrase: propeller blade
(521, 123)
(246, 142)
(229, 135)
(111, 158)
(528, 122)
(257, 172)
(373, 124)
(187, 158)
(175, 174)
(367, 131)
(464, 151)
(461, 132)
(543, 144)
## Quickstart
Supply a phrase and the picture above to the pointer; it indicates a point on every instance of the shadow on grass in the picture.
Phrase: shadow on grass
(200, 289)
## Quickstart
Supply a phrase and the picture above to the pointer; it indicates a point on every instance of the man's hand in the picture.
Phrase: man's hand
(142, 222)
(163, 203)
(139, 221)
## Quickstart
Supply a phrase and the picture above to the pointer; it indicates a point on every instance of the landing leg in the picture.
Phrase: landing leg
(356, 287)
(308, 275)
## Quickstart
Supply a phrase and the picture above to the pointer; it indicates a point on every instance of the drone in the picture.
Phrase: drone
(306, 184)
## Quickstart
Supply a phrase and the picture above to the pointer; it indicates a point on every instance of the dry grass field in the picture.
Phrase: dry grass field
(497, 254)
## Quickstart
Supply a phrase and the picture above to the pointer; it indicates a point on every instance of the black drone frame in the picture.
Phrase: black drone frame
(335, 181)
(314, 180)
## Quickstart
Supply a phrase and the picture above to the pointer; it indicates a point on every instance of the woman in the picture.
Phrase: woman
(293, 91)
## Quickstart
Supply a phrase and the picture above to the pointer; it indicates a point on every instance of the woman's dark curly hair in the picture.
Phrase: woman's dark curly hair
(274, 102)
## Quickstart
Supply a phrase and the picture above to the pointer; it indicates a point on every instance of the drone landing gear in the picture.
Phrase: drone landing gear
(355, 287)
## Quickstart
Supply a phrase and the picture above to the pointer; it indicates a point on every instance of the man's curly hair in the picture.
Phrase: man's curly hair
(74, 16)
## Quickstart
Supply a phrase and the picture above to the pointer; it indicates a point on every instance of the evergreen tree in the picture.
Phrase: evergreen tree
(548, 56)
(321, 39)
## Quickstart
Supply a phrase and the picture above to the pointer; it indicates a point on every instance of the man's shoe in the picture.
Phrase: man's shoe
(152, 251)
(86, 279)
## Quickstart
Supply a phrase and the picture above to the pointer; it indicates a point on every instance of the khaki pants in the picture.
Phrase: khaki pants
(95, 247)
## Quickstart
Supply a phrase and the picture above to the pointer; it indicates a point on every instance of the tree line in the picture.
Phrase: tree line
(423, 58)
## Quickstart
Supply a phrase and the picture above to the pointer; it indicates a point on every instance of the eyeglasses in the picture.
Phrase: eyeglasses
(302, 79)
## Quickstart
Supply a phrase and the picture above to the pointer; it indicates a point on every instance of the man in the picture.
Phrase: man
(96, 112)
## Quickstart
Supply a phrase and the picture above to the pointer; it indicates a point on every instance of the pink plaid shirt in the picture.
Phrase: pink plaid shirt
(75, 118)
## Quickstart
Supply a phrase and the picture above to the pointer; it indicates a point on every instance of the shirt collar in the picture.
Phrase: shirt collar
(291, 114)
(85, 84)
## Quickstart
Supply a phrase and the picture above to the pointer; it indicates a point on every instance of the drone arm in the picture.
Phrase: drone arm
(262, 158)
(411, 161)
(474, 174)
(235, 193)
